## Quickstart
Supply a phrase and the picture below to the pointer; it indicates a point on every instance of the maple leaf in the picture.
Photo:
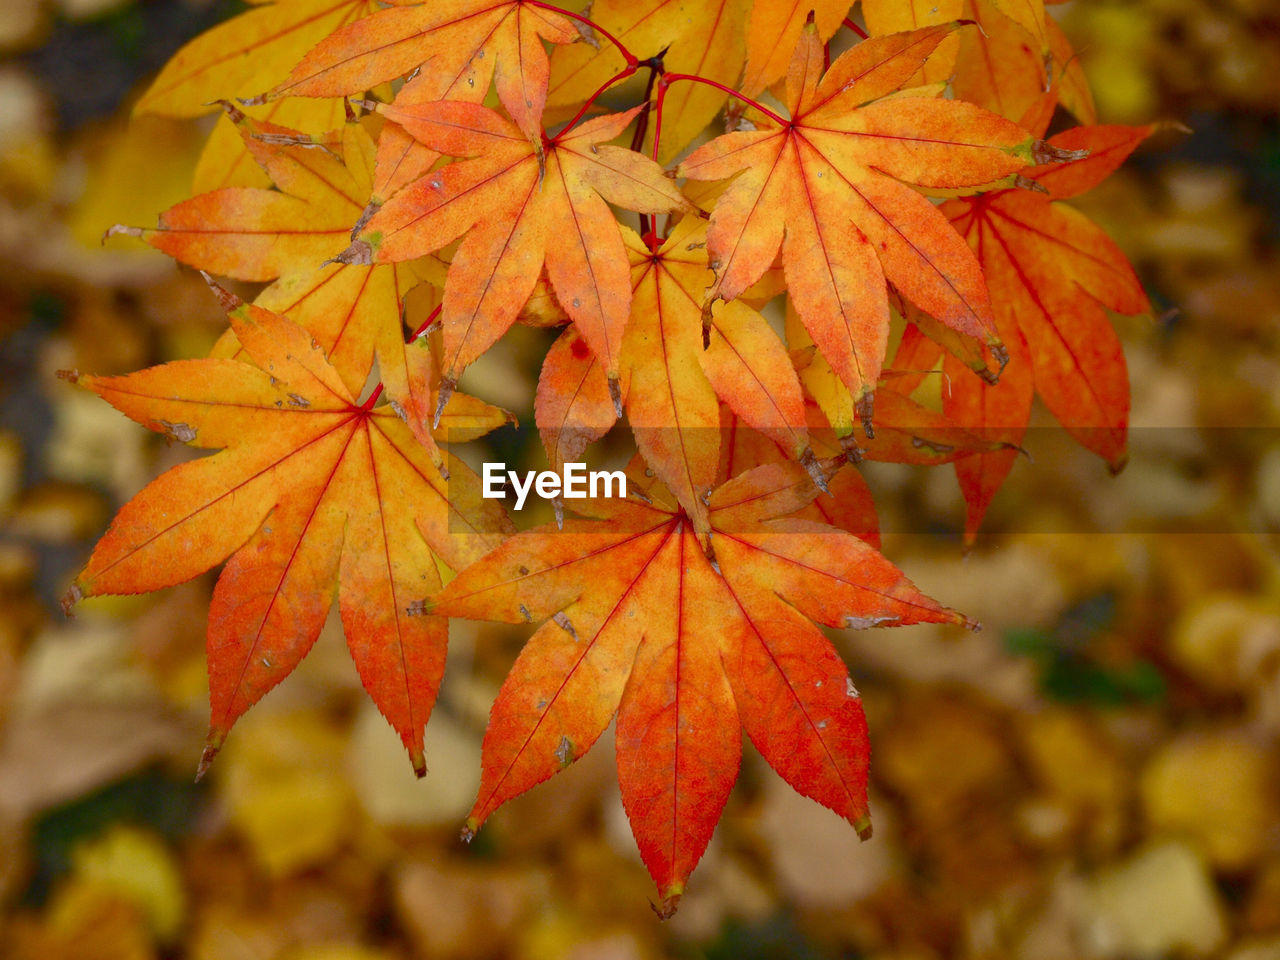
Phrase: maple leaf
(519, 208)
(896, 16)
(308, 492)
(245, 55)
(250, 233)
(1051, 272)
(774, 30)
(1003, 67)
(905, 431)
(849, 504)
(444, 40)
(572, 407)
(830, 187)
(674, 386)
(228, 161)
(642, 624)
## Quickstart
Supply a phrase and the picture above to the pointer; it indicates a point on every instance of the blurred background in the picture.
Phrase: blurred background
(1094, 775)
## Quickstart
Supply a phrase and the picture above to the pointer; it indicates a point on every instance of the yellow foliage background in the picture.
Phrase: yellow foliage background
(1094, 775)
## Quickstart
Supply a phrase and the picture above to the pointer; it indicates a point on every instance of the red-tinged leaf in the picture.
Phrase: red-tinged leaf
(245, 55)
(846, 502)
(798, 704)
(310, 493)
(848, 505)
(678, 743)
(830, 188)
(749, 369)
(1052, 271)
(641, 624)
(444, 40)
(902, 431)
(1107, 147)
(352, 310)
(671, 405)
(672, 399)
(986, 360)
(998, 412)
(572, 407)
(509, 201)
(1007, 70)
(775, 488)
(830, 576)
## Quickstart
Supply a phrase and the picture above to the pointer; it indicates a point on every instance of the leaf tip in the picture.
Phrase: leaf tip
(670, 902)
(226, 299)
(259, 100)
(863, 827)
(419, 608)
(814, 466)
(447, 386)
(1027, 183)
(1117, 465)
(615, 394)
(419, 761)
(865, 411)
(122, 229)
(71, 376)
(69, 599)
(234, 113)
(212, 744)
(468, 831)
(1042, 151)
(370, 208)
(849, 446)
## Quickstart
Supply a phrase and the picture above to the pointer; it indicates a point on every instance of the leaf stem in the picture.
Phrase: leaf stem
(670, 78)
(426, 324)
(855, 28)
(656, 70)
(622, 75)
(631, 59)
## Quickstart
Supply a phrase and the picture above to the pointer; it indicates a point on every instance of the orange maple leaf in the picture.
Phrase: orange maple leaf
(775, 28)
(685, 650)
(245, 54)
(1051, 271)
(250, 233)
(444, 40)
(572, 407)
(309, 492)
(520, 207)
(830, 187)
(674, 386)
(1003, 67)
